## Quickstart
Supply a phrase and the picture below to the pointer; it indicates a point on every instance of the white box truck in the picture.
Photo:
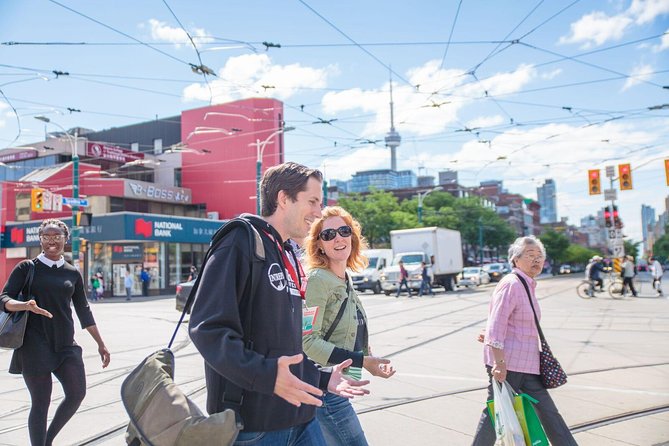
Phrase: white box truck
(439, 248)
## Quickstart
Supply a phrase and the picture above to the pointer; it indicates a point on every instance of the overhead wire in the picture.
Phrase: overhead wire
(450, 35)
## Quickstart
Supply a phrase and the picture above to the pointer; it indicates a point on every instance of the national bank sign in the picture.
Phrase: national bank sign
(141, 190)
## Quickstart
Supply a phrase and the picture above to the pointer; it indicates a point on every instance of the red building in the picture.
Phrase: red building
(157, 190)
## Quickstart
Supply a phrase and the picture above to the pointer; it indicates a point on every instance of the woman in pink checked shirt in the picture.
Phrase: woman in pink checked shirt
(511, 343)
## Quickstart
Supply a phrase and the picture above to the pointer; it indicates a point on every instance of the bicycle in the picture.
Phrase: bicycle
(586, 289)
(618, 291)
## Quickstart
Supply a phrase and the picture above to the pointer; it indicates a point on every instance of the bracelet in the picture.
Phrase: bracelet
(501, 361)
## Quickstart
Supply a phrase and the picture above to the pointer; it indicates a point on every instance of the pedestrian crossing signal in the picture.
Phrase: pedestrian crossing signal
(37, 200)
(594, 183)
(625, 176)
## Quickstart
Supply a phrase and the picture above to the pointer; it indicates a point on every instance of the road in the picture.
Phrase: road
(615, 352)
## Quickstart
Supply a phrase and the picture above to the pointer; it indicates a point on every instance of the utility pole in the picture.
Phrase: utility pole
(480, 224)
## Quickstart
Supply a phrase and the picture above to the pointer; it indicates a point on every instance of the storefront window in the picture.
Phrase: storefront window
(174, 263)
(151, 262)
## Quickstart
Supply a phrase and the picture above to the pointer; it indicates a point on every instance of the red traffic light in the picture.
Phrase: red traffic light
(625, 176)
(594, 183)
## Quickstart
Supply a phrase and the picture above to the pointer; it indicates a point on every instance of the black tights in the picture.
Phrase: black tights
(72, 378)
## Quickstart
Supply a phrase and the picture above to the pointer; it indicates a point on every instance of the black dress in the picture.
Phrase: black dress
(48, 342)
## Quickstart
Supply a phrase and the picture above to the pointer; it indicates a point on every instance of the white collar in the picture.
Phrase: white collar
(48, 262)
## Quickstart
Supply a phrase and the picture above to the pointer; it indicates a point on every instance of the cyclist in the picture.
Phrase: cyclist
(595, 273)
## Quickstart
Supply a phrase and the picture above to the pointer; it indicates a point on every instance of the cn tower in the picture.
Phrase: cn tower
(393, 139)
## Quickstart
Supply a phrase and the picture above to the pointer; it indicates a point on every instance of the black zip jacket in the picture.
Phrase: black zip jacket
(216, 329)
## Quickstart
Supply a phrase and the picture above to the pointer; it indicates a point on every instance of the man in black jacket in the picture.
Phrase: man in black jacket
(280, 385)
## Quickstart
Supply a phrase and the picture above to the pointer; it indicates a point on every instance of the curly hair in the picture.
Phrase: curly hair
(55, 222)
(315, 256)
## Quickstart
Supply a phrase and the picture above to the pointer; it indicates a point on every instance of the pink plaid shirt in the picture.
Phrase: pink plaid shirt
(511, 325)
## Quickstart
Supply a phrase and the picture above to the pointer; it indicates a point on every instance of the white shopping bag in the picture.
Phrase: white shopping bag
(507, 427)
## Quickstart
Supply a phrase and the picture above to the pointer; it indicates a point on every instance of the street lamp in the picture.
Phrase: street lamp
(421, 197)
(260, 149)
(75, 187)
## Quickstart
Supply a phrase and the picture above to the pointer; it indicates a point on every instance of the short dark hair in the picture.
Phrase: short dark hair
(288, 177)
(54, 222)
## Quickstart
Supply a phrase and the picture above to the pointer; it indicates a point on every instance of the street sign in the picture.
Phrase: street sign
(47, 200)
(616, 242)
(615, 233)
(610, 171)
(68, 201)
(618, 251)
(610, 194)
(57, 203)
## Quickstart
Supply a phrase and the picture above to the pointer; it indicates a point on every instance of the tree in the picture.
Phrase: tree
(661, 247)
(556, 246)
(631, 248)
(375, 213)
(579, 255)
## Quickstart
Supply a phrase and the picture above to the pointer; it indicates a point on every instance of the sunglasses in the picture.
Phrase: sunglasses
(329, 234)
(52, 238)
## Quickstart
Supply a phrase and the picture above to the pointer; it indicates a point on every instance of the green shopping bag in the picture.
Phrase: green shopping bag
(523, 404)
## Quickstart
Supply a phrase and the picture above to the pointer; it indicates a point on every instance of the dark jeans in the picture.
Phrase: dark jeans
(425, 287)
(556, 429)
(628, 284)
(307, 434)
(406, 285)
(145, 288)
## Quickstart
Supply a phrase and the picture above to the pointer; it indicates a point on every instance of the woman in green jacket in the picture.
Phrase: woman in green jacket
(339, 330)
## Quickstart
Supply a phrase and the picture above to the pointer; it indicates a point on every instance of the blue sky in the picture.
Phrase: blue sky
(519, 91)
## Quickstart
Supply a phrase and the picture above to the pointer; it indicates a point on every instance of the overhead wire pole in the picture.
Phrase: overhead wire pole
(75, 187)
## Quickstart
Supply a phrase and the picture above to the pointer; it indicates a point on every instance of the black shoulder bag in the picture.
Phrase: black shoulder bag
(340, 313)
(551, 372)
(13, 324)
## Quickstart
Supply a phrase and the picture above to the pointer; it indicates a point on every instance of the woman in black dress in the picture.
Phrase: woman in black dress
(48, 345)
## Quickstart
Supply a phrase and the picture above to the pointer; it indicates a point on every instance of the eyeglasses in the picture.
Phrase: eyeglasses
(52, 238)
(535, 259)
(329, 234)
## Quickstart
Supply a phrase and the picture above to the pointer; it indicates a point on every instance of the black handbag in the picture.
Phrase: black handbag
(551, 372)
(13, 324)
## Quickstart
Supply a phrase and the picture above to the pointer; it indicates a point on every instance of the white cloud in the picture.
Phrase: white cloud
(486, 121)
(639, 73)
(432, 108)
(342, 167)
(664, 43)
(253, 75)
(162, 32)
(551, 74)
(597, 27)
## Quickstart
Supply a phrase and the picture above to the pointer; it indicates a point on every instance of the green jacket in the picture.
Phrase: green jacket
(327, 291)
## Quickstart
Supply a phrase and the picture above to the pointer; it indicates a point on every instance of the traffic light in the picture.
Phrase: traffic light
(37, 200)
(594, 183)
(617, 222)
(84, 218)
(625, 176)
(607, 217)
(666, 170)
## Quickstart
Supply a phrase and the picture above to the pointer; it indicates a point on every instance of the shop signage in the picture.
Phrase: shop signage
(142, 190)
(112, 153)
(18, 156)
(127, 252)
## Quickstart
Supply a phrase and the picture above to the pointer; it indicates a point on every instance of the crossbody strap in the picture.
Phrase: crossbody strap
(529, 296)
(340, 313)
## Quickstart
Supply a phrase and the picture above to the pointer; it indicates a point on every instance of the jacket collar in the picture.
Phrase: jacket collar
(48, 262)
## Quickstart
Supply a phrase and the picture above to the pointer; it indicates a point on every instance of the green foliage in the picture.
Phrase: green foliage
(631, 248)
(380, 212)
(661, 247)
(556, 246)
(577, 254)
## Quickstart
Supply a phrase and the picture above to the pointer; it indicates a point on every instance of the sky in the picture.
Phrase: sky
(516, 91)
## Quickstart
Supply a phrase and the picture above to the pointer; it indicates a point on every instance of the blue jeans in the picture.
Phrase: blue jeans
(306, 434)
(425, 286)
(399, 287)
(339, 422)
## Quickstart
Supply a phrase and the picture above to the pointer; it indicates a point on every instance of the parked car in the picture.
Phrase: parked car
(473, 276)
(183, 290)
(496, 271)
(566, 269)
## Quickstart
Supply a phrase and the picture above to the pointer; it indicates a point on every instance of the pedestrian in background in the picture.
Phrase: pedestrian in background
(628, 273)
(48, 343)
(278, 388)
(192, 275)
(129, 282)
(145, 278)
(339, 330)
(425, 284)
(404, 275)
(511, 342)
(657, 272)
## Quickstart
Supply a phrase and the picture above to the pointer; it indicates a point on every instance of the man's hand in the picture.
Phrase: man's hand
(292, 389)
(105, 356)
(344, 386)
(378, 366)
(31, 306)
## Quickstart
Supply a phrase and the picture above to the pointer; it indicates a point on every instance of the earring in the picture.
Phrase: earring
(321, 250)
